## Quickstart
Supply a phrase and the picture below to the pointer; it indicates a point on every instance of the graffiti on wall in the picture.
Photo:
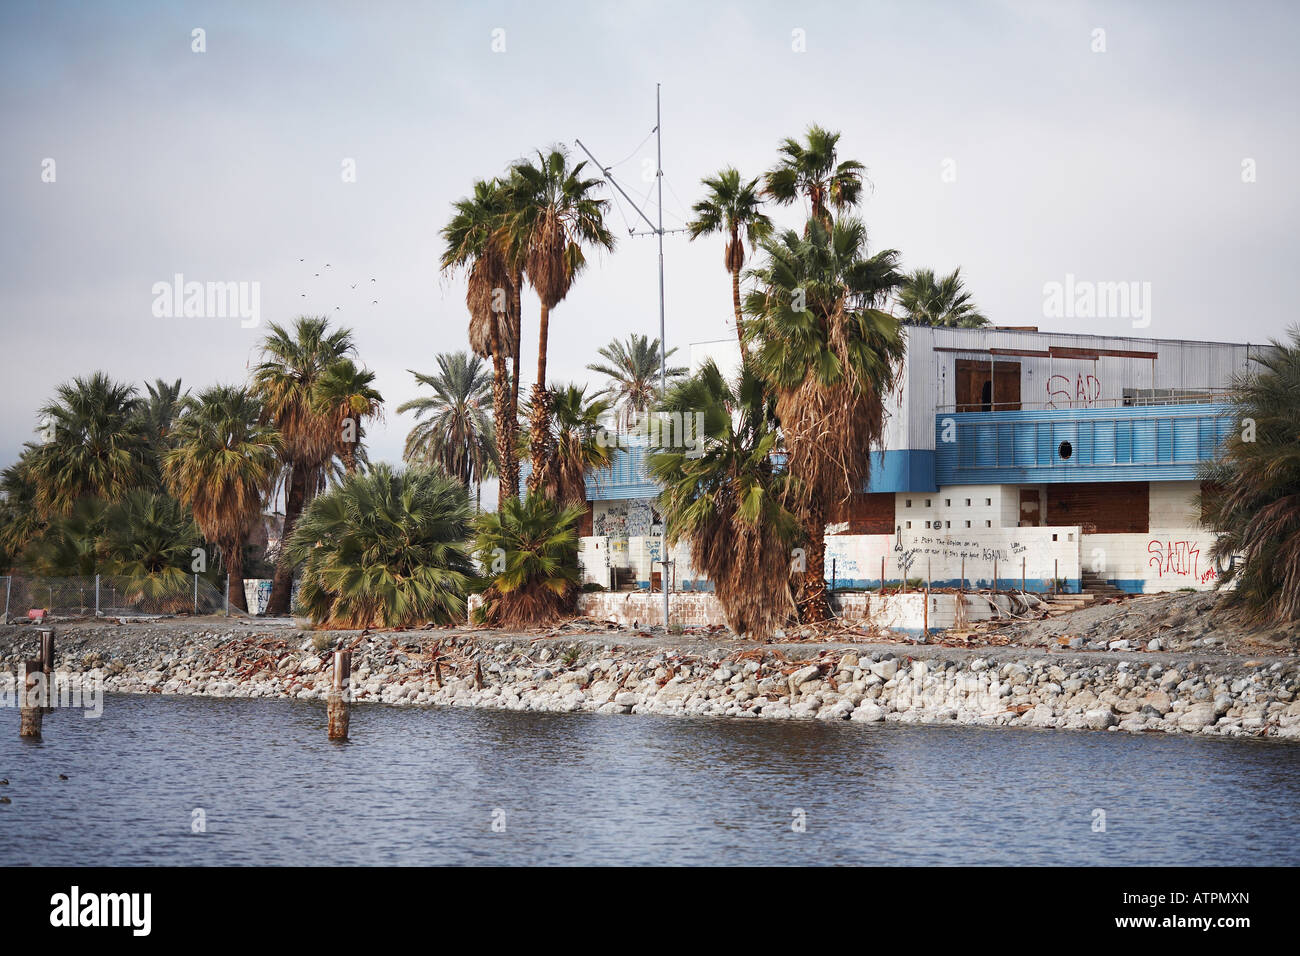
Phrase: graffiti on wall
(1082, 391)
(1175, 558)
(635, 517)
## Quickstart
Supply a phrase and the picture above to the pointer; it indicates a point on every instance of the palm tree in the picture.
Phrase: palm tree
(576, 443)
(727, 501)
(148, 540)
(553, 215)
(474, 240)
(284, 382)
(69, 546)
(453, 429)
(222, 466)
(530, 548)
(385, 549)
(811, 169)
(733, 207)
(96, 447)
(158, 410)
(20, 522)
(346, 395)
(943, 301)
(633, 367)
(1253, 490)
(830, 356)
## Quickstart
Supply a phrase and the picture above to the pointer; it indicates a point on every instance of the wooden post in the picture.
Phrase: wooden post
(963, 574)
(47, 666)
(32, 700)
(437, 674)
(882, 575)
(1056, 576)
(338, 701)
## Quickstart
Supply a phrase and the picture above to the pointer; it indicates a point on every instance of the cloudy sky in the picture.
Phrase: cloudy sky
(1152, 142)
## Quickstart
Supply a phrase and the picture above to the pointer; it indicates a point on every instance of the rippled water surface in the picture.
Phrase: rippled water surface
(419, 786)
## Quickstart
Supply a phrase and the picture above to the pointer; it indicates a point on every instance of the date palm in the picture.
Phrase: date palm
(95, 446)
(385, 549)
(727, 502)
(453, 429)
(830, 356)
(732, 207)
(284, 382)
(632, 366)
(576, 443)
(346, 395)
(553, 216)
(474, 241)
(1252, 494)
(222, 466)
(942, 301)
(812, 169)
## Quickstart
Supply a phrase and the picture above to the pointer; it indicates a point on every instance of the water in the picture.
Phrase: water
(420, 786)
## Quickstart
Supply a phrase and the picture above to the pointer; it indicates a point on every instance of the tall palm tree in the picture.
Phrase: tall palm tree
(553, 215)
(943, 301)
(95, 445)
(222, 466)
(293, 362)
(811, 169)
(575, 441)
(633, 365)
(727, 501)
(734, 207)
(453, 429)
(158, 410)
(386, 549)
(1253, 498)
(474, 241)
(830, 356)
(346, 395)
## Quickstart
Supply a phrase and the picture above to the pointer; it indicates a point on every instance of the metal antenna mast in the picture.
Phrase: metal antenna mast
(657, 230)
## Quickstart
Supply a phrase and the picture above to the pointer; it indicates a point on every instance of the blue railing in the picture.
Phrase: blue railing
(1089, 444)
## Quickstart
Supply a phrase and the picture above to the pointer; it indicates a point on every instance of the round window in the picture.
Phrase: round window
(1065, 450)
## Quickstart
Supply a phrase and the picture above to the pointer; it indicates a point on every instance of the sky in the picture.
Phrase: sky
(1150, 142)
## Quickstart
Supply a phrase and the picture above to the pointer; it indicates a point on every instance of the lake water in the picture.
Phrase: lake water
(418, 786)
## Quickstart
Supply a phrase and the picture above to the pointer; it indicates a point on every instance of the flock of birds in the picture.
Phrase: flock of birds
(337, 308)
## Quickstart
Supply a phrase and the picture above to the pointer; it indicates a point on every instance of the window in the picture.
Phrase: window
(947, 524)
(909, 526)
(968, 524)
(927, 502)
(907, 503)
(988, 524)
(967, 502)
(988, 502)
(947, 502)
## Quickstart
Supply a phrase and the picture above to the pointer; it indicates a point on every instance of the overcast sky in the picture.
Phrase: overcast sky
(997, 137)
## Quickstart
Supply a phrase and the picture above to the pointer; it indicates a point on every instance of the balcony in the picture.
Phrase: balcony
(1125, 443)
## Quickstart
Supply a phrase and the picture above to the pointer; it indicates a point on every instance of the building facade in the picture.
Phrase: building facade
(1039, 459)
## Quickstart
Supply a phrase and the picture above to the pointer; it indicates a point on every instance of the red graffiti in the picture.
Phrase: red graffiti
(1208, 574)
(1174, 557)
(1082, 391)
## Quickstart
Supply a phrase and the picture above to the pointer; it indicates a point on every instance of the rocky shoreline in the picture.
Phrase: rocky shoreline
(644, 674)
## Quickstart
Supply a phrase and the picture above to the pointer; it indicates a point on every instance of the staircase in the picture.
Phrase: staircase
(1094, 584)
(1058, 604)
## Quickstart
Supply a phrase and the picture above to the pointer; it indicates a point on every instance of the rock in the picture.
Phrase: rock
(1100, 718)
(1196, 717)
(869, 713)
(804, 674)
(885, 669)
(1155, 644)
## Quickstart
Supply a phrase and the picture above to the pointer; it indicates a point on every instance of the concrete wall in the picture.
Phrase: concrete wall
(1172, 506)
(947, 511)
(1045, 551)
(1162, 560)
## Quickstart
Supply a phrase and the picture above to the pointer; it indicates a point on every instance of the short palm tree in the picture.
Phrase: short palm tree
(830, 356)
(385, 549)
(20, 522)
(733, 207)
(633, 368)
(727, 501)
(553, 216)
(453, 429)
(69, 546)
(474, 241)
(943, 301)
(346, 395)
(148, 542)
(222, 467)
(95, 445)
(293, 361)
(812, 169)
(529, 549)
(158, 410)
(576, 443)
(1254, 489)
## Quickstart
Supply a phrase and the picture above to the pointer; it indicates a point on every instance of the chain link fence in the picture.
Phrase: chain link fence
(107, 595)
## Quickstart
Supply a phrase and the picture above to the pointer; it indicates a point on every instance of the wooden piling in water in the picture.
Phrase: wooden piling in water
(337, 701)
(31, 704)
(47, 666)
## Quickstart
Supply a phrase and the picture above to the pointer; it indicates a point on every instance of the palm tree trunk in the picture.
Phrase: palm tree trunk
(539, 423)
(735, 301)
(235, 575)
(813, 605)
(501, 413)
(282, 582)
(511, 470)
